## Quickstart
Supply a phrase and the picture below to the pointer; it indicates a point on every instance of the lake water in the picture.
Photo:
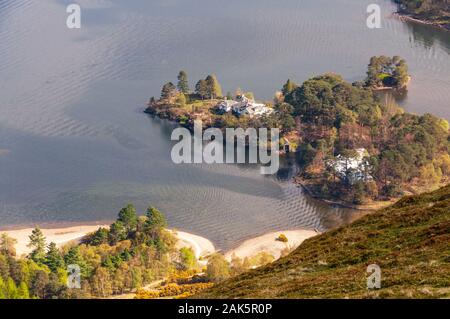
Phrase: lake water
(75, 145)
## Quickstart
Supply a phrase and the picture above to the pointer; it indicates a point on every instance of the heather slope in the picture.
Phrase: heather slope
(410, 241)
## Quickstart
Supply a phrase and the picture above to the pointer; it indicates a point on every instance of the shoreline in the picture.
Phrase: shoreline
(365, 207)
(60, 236)
(152, 111)
(411, 18)
(201, 246)
(268, 243)
(165, 114)
(54, 225)
(391, 88)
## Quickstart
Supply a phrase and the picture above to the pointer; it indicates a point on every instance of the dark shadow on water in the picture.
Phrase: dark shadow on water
(428, 36)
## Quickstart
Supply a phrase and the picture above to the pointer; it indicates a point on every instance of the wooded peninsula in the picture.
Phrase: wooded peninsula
(353, 147)
(434, 12)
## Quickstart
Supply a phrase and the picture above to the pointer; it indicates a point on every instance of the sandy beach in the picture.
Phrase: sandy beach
(61, 236)
(270, 244)
(201, 246)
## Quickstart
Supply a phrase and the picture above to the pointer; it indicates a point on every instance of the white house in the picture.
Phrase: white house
(226, 106)
(244, 105)
(354, 168)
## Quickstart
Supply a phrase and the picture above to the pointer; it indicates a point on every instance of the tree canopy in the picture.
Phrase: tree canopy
(183, 84)
(37, 244)
(386, 71)
(168, 91)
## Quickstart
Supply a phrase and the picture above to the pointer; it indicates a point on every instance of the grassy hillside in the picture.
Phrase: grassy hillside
(410, 241)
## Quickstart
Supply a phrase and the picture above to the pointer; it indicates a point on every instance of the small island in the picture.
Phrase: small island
(351, 148)
(385, 73)
(431, 12)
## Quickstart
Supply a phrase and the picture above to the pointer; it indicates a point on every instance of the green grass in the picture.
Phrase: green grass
(410, 241)
(382, 76)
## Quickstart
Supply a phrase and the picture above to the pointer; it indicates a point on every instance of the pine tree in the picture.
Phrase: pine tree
(287, 121)
(128, 217)
(154, 225)
(155, 219)
(168, 91)
(213, 87)
(99, 237)
(117, 232)
(201, 88)
(183, 84)
(53, 258)
(37, 244)
(73, 257)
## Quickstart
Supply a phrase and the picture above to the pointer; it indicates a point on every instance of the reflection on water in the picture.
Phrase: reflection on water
(79, 147)
(429, 90)
(428, 36)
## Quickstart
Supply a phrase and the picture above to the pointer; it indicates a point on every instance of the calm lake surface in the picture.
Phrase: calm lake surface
(75, 145)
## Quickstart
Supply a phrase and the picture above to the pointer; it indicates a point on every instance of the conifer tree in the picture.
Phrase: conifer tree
(183, 84)
(53, 258)
(37, 244)
(73, 257)
(213, 87)
(128, 217)
(168, 91)
(201, 88)
(155, 219)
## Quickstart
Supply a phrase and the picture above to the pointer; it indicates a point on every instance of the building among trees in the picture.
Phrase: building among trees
(244, 106)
